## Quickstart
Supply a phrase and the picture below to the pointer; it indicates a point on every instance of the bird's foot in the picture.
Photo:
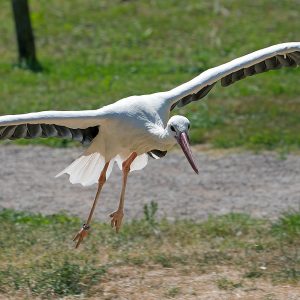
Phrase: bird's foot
(82, 233)
(116, 219)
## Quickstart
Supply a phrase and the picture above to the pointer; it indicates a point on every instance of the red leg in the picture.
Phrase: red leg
(117, 216)
(83, 232)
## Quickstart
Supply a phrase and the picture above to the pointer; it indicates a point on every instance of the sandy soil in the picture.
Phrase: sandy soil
(167, 283)
(261, 185)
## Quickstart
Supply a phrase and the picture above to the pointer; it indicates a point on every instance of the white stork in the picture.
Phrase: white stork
(133, 128)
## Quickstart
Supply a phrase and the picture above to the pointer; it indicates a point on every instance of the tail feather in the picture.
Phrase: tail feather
(139, 162)
(85, 169)
(92, 168)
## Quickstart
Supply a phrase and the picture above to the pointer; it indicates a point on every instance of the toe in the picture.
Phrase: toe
(116, 220)
(82, 233)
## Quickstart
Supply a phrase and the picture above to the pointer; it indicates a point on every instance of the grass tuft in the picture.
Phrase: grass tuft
(227, 284)
(51, 278)
(288, 226)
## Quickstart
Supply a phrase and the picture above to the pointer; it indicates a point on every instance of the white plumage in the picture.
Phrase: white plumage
(87, 168)
(129, 130)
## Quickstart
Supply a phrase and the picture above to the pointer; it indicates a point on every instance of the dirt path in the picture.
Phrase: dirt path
(262, 185)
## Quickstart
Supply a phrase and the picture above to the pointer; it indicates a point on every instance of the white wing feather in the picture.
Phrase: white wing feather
(72, 119)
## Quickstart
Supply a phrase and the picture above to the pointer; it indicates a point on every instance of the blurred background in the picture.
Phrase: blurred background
(96, 52)
(91, 53)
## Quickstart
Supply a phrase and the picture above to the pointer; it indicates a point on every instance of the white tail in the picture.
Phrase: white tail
(139, 163)
(86, 169)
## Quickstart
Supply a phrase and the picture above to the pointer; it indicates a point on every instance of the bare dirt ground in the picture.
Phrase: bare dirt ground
(262, 185)
(157, 283)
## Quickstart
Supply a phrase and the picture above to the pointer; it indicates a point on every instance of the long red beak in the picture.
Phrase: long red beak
(183, 141)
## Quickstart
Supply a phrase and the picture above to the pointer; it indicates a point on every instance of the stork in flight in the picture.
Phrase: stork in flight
(133, 128)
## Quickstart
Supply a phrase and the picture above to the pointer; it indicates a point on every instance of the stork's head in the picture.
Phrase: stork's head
(178, 127)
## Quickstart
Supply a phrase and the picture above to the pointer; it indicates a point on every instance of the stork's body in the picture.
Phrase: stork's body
(131, 129)
(137, 123)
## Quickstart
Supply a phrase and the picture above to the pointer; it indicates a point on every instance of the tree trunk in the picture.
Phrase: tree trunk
(25, 38)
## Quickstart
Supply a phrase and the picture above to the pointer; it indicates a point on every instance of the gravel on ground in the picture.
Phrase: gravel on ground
(262, 185)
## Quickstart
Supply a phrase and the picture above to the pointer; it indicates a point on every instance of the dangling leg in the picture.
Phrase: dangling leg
(83, 232)
(117, 216)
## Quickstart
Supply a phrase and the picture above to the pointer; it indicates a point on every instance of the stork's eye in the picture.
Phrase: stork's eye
(172, 128)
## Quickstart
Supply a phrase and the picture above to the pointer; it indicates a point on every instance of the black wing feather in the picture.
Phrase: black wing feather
(276, 62)
(30, 131)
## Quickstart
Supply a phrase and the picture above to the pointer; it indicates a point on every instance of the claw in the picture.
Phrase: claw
(82, 233)
(116, 220)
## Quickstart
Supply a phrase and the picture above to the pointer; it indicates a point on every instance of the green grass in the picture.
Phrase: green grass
(96, 52)
(37, 255)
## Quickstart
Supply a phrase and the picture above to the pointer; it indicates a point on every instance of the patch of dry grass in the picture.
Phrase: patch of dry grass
(222, 258)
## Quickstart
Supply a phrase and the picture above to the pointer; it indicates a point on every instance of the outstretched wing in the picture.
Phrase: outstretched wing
(271, 58)
(81, 126)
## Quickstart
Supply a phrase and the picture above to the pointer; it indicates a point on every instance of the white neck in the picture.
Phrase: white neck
(163, 135)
